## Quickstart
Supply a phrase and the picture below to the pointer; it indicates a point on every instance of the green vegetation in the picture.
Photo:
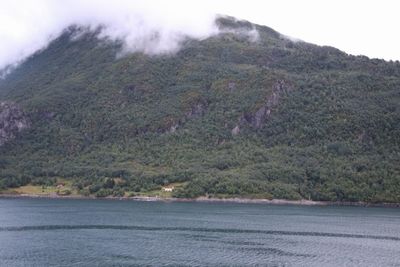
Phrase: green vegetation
(51, 186)
(131, 125)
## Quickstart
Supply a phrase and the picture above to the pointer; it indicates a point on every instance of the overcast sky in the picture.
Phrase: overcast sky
(356, 26)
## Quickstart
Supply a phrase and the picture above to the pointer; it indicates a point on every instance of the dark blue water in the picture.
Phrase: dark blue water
(41, 232)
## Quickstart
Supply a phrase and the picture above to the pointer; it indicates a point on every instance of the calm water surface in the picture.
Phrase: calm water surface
(42, 232)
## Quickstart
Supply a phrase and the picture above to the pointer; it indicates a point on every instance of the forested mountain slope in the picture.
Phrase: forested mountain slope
(231, 115)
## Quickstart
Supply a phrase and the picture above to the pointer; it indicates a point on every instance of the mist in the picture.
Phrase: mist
(156, 26)
(150, 26)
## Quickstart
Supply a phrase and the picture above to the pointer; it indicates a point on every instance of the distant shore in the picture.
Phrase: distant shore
(302, 202)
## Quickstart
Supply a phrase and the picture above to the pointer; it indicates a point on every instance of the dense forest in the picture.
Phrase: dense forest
(227, 116)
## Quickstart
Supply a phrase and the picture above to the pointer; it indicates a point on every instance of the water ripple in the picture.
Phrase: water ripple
(190, 229)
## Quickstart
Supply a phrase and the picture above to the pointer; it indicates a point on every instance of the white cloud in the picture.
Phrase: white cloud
(359, 26)
(149, 26)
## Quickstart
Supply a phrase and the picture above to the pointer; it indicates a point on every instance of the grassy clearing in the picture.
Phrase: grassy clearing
(30, 189)
(157, 193)
(54, 190)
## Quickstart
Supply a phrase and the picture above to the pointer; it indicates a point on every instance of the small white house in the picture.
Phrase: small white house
(168, 189)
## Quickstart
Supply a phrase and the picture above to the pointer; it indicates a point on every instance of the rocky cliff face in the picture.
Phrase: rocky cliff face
(258, 118)
(12, 121)
(197, 110)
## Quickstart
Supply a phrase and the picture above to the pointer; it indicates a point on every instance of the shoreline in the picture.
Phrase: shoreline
(302, 202)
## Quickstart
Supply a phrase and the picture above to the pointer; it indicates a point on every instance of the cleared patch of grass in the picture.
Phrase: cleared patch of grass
(157, 193)
(43, 190)
(33, 190)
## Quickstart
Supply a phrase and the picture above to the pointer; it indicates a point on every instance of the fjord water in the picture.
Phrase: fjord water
(57, 232)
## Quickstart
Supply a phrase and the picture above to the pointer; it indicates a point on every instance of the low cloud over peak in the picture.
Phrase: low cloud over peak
(148, 26)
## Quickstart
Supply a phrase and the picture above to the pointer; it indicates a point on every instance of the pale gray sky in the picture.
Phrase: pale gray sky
(356, 26)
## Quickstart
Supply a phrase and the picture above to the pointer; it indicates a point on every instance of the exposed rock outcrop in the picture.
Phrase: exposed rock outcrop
(258, 118)
(231, 86)
(197, 110)
(12, 121)
(173, 128)
(236, 130)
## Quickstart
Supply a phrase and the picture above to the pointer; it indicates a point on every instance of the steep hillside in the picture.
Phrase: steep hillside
(231, 115)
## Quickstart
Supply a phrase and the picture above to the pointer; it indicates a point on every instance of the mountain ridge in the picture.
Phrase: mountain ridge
(224, 116)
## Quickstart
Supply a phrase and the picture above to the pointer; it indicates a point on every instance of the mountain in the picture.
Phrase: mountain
(230, 115)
